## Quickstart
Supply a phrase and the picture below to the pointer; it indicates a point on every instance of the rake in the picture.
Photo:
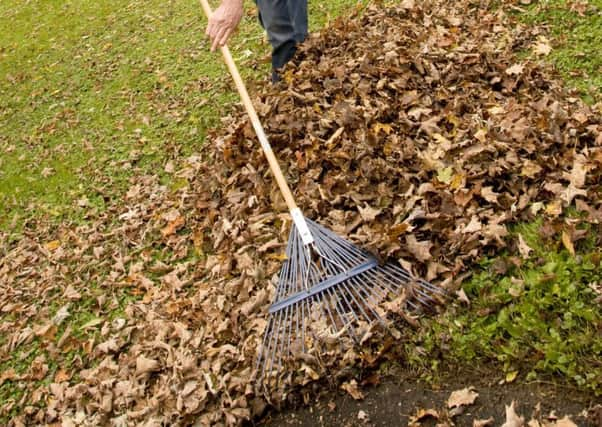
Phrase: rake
(325, 280)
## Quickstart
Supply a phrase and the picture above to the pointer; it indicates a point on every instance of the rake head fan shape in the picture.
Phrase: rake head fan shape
(325, 278)
(334, 280)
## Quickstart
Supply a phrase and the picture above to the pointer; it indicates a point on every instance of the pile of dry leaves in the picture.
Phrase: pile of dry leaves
(412, 130)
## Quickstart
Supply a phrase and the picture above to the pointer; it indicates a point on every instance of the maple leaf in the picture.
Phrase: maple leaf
(465, 396)
(420, 249)
(512, 419)
(445, 175)
(368, 213)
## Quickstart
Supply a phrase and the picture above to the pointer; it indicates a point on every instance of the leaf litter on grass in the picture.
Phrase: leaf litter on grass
(413, 130)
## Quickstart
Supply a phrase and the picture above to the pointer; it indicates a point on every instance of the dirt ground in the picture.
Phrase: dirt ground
(398, 402)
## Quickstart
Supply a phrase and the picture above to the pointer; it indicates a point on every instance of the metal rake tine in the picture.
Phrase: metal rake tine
(324, 303)
(344, 294)
(345, 321)
(390, 277)
(352, 296)
(303, 303)
(370, 306)
(344, 246)
(265, 351)
(343, 243)
(286, 336)
(331, 270)
(400, 270)
(323, 242)
(260, 358)
(348, 258)
(268, 364)
(285, 267)
(387, 280)
(385, 290)
(422, 282)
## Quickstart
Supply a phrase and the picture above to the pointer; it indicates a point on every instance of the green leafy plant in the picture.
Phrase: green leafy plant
(537, 317)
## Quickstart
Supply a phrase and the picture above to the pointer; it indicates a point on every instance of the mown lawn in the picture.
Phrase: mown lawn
(93, 92)
(575, 28)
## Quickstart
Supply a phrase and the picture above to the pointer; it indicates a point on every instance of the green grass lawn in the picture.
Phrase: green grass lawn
(539, 316)
(576, 30)
(92, 92)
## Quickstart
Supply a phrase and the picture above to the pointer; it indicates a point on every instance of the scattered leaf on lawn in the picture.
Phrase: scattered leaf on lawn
(568, 243)
(524, 249)
(542, 46)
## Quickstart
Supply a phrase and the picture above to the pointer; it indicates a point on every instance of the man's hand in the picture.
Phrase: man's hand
(223, 22)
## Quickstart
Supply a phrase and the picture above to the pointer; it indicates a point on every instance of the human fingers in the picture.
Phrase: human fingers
(223, 39)
(217, 37)
(210, 27)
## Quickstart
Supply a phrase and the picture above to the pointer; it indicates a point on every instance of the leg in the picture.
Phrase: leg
(286, 24)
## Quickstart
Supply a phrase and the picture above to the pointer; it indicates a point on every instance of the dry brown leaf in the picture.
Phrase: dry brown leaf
(465, 396)
(515, 70)
(53, 245)
(422, 414)
(173, 225)
(542, 46)
(352, 388)
(145, 365)
(564, 422)
(512, 418)
(421, 250)
(368, 213)
(523, 248)
(61, 375)
(462, 296)
(568, 243)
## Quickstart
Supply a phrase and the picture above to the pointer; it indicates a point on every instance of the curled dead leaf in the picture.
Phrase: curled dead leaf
(352, 388)
(145, 365)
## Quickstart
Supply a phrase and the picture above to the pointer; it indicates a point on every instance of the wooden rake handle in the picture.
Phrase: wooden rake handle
(265, 145)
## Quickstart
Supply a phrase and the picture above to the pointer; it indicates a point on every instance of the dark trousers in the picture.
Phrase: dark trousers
(285, 21)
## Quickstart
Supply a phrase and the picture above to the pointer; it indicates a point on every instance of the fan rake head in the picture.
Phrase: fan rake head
(333, 282)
